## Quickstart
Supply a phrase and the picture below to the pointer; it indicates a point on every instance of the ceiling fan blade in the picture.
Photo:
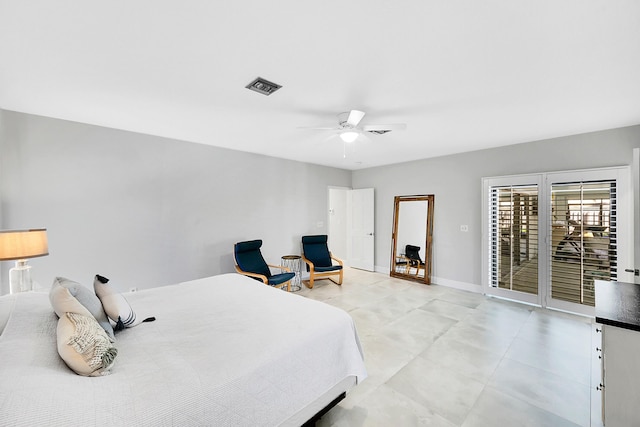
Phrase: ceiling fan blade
(384, 128)
(354, 117)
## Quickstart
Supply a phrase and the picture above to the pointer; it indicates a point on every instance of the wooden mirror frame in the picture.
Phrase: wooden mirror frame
(430, 199)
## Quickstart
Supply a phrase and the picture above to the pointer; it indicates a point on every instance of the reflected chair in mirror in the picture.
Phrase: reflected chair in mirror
(412, 253)
(402, 264)
(249, 262)
(316, 254)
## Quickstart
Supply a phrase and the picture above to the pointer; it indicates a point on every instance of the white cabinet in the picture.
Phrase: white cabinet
(621, 376)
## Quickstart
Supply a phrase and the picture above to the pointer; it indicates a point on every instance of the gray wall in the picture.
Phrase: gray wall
(456, 183)
(147, 211)
(2, 138)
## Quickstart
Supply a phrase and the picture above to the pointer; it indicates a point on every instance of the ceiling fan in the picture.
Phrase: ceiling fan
(348, 128)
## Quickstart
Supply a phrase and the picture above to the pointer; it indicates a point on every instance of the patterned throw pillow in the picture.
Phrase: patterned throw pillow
(88, 299)
(82, 343)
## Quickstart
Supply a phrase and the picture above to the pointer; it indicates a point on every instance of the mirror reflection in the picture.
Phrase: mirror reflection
(411, 238)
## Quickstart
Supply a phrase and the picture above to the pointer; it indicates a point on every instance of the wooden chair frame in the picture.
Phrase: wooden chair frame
(313, 276)
(265, 279)
(412, 263)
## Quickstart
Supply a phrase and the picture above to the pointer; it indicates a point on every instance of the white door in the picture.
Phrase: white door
(361, 227)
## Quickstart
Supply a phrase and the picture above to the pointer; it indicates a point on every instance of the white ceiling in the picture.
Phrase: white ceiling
(462, 74)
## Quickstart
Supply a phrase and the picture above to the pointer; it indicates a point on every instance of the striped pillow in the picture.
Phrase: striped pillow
(114, 304)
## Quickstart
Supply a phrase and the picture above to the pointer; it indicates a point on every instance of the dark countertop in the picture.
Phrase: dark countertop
(618, 304)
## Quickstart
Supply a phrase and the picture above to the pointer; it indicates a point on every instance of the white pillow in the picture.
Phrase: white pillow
(82, 343)
(88, 299)
(114, 304)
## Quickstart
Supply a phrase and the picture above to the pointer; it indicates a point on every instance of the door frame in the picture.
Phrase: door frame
(635, 223)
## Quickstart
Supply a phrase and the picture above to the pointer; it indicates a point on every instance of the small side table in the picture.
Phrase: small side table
(294, 263)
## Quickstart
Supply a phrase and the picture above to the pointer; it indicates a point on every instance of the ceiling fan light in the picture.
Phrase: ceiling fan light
(349, 136)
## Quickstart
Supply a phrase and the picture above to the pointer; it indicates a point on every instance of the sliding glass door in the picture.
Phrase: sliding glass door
(589, 231)
(512, 231)
(515, 238)
(549, 236)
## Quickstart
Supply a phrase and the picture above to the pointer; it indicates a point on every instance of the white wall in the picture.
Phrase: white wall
(147, 211)
(456, 183)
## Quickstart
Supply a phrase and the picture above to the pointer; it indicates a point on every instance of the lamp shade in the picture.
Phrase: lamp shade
(23, 244)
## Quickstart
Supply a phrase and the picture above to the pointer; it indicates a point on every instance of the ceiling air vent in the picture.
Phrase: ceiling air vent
(263, 86)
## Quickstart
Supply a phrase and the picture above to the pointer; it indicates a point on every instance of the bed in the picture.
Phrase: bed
(224, 350)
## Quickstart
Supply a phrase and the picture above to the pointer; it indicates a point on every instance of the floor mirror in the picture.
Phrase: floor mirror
(411, 240)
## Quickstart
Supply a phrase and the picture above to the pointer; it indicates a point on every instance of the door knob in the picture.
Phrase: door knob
(636, 272)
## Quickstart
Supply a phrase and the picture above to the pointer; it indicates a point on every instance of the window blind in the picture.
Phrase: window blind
(583, 238)
(513, 225)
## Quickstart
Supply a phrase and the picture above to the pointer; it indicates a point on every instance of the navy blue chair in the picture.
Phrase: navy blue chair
(316, 254)
(413, 255)
(249, 262)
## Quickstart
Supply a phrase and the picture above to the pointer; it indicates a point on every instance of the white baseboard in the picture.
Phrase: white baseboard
(383, 270)
(442, 282)
(456, 284)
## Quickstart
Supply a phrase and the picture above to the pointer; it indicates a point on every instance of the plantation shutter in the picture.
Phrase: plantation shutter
(513, 225)
(583, 238)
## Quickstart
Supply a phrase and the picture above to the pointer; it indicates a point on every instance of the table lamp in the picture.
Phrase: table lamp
(19, 245)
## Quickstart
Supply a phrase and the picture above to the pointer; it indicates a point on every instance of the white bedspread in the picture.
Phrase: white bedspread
(224, 351)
